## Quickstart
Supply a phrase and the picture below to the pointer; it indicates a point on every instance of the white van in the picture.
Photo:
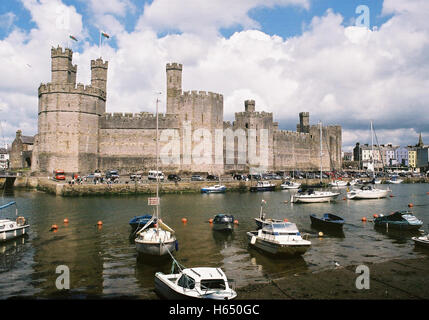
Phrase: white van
(153, 173)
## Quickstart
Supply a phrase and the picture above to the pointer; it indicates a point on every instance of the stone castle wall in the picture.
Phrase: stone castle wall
(76, 135)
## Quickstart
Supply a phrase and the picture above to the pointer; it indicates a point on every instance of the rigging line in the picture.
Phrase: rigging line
(379, 150)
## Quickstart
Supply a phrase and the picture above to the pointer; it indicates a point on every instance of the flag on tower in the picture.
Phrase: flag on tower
(73, 38)
(104, 34)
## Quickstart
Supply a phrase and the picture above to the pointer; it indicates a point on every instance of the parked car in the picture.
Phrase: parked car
(212, 177)
(97, 173)
(174, 177)
(112, 175)
(59, 175)
(135, 176)
(197, 178)
(153, 175)
(254, 177)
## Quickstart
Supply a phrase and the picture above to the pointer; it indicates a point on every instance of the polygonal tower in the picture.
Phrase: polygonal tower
(174, 86)
(68, 117)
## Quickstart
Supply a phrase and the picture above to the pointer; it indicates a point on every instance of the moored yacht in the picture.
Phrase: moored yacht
(279, 239)
(312, 196)
(368, 192)
(10, 229)
(214, 189)
(263, 186)
(290, 185)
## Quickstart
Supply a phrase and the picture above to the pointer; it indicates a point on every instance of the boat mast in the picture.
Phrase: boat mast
(321, 154)
(372, 152)
(157, 165)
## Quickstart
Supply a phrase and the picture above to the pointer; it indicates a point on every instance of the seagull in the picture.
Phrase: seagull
(336, 264)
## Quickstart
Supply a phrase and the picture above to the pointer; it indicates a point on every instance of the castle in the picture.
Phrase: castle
(77, 135)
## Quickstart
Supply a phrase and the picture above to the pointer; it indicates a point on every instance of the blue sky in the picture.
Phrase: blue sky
(282, 21)
(288, 55)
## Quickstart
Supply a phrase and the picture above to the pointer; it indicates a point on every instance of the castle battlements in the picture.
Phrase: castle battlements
(255, 114)
(174, 66)
(139, 116)
(99, 63)
(142, 120)
(194, 94)
(46, 88)
(59, 52)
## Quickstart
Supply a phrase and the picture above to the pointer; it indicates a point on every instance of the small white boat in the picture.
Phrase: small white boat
(338, 183)
(194, 283)
(156, 241)
(421, 241)
(214, 189)
(11, 229)
(368, 192)
(279, 239)
(395, 180)
(290, 185)
(311, 196)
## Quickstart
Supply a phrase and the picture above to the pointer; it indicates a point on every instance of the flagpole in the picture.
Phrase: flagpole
(99, 45)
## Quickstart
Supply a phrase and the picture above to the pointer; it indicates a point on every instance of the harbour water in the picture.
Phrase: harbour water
(103, 261)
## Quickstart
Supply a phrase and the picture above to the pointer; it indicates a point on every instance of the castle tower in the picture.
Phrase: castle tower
(249, 105)
(68, 117)
(99, 74)
(63, 71)
(304, 122)
(174, 86)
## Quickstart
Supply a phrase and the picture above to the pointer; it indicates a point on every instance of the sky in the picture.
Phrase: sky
(290, 56)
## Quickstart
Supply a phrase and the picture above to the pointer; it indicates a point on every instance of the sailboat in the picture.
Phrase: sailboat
(368, 191)
(312, 196)
(156, 239)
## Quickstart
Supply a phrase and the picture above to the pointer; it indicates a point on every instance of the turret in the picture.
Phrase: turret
(174, 86)
(99, 74)
(249, 105)
(304, 122)
(63, 71)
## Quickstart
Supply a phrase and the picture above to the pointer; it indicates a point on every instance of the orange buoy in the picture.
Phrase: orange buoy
(210, 220)
(54, 227)
(155, 225)
(100, 223)
(375, 215)
(391, 196)
(285, 220)
(364, 219)
(235, 221)
(427, 192)
(344, 198)
(410, 205)
(184, 220)
(66, 220)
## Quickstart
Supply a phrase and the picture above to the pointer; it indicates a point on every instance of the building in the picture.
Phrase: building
(402, 156)
(77, 135)
(347, 156)
(4, 159)
(21, 151)
(388, 155)
(412, 157)
(368, 157)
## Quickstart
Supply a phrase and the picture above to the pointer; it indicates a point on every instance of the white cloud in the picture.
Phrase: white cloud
(341, 75)
(205, 17)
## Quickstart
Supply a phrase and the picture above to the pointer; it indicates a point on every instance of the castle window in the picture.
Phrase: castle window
(247, 126)
(202, 117)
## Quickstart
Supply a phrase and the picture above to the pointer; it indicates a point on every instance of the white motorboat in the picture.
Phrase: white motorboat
(421, 241)
(279, 239)
(214, 189)
(11, 229)
(338, 183)
(263, 186)
(262, 220)
(395, 180)
(194, 283)
(312, 196)
(156, 239)
(290, 185)
(368, 192)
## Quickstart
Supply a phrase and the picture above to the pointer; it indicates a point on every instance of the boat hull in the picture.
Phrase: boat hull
(206, 190)
(227, 226)
(14, 233)
(155, 249)
(315, 199)
(397, 226)
(259, 189)
(421, 242)
(277, 249)
(168, 292)
(368, 195)
(324, 224)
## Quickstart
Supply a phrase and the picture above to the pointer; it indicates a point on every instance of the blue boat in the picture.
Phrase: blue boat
(140, 221)
(214, 189)
(399, 220)
(223, 222)
(328, 221)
